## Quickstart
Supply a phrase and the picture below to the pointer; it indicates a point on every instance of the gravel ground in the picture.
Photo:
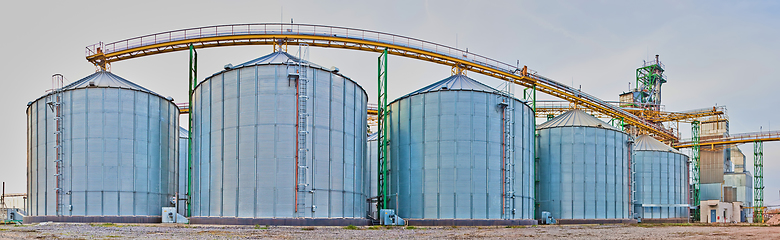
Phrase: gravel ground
(160, 231)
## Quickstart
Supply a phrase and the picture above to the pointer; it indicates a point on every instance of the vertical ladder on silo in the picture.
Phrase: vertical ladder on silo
(632, 178)
(55, 104)
(508, 195)
(302, 68)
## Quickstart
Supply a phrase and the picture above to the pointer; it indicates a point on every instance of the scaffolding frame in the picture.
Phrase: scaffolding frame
(758, 181)
(649, 79)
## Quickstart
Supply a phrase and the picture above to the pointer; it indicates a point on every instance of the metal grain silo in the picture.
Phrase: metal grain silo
(583, 169)
(257, 162)
(117, 144)
(661, 180)
(449, 144)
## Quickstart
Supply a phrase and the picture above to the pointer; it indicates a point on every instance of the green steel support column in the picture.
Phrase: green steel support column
(193, 71)
(622, 124)
(383, 188)
(758, 182)
(695, 128)
(535, 165)
(534, 104)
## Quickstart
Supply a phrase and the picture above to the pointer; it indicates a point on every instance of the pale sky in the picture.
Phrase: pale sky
(715, 52)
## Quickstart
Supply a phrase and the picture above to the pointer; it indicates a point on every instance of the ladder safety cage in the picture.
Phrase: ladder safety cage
(55, 105)
(298, 71)
(507, 151)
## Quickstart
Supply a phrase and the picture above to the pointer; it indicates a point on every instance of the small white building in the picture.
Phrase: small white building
(714, 211)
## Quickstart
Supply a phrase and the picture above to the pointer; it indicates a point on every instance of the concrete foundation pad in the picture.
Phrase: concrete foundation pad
(282, 221)
(664, 220)
(470, 222)
(93, 219)
(595, 221)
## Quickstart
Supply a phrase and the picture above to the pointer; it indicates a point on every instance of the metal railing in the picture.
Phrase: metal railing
(292, 29)
(653, 62)
(742, 137)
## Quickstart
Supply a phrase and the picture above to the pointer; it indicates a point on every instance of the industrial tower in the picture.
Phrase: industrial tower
(647, 93)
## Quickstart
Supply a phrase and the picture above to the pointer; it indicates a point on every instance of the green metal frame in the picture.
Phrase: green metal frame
(696, 130)
(382, 113)
(646, 77)
(758, 182)
(618, 123)
(193, 72)
(529, 94)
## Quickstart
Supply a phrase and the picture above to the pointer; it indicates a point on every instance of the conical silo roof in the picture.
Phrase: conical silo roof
(455, 82)
(275, 58)
(648, 143)
(105, 79)
(575, 118)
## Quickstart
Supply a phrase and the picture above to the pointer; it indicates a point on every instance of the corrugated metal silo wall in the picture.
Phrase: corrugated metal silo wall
(182, 167)
(371, 173)
(445, 155)
(244, 145)
(120, 151)
(661, 182)
(583, 173)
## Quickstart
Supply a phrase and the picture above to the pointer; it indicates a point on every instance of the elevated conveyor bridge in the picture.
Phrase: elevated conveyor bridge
(279, 34)
(732, 139)
(545, 108)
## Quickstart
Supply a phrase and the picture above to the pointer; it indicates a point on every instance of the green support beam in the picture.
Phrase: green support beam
(619, 123)
(695, 129)
(382, 112)
(758, 182)
(193, 72)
